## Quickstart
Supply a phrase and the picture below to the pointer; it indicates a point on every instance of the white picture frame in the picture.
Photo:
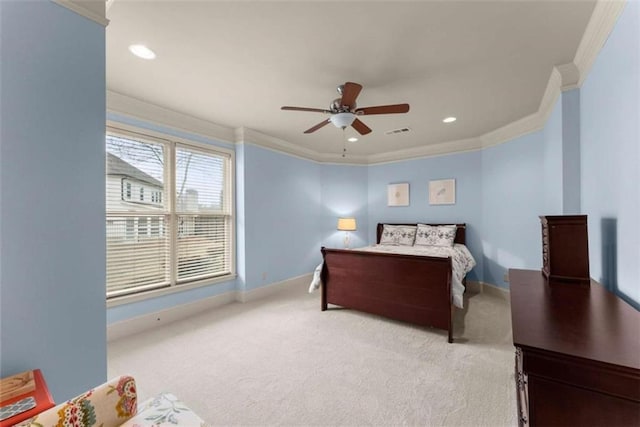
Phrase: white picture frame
(398, 194)
(442, 192)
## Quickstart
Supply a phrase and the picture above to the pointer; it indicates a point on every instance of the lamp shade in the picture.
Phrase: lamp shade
(342, 120)
(346, 224)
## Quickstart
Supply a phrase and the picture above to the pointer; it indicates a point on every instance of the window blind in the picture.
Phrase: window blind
(169, 214)
(138, 233)
(203, 214)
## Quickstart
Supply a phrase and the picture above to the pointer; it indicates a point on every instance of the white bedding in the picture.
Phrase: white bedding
(461, 261)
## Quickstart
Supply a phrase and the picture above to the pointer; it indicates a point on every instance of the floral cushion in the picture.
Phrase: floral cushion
(109, 404)
(435, 235)
(398, 235)
(165, 410)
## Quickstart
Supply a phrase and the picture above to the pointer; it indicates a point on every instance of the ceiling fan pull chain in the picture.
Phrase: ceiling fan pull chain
(344, 142)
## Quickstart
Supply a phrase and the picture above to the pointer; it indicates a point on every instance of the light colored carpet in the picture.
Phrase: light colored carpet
(281, 361)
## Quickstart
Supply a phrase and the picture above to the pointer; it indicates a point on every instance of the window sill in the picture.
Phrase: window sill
(128, 299)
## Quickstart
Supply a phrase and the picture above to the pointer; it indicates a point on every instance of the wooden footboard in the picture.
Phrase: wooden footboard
(413, 289)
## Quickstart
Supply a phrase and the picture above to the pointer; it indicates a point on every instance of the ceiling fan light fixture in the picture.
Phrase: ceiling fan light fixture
(342, 120)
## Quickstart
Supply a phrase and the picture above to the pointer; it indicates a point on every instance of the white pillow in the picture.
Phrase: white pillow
(435, 235)
(398, 235)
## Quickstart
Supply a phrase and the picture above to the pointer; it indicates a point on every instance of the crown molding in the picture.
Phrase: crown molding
(92, 9)
(247, 135)
(532, 122)
(431, 150)
(562, 78)
(602, 21)
(570, 76)
(118, 103)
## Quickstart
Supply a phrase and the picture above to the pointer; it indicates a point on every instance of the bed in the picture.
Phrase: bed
(416, 289)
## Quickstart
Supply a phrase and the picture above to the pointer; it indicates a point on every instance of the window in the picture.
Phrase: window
(182, 232)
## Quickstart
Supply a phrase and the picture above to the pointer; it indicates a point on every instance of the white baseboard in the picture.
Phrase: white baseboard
(258, 293)
(152, 320)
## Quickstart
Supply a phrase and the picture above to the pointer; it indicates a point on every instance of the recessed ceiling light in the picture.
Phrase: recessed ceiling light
(141, 51)
(352, 139)
(449, 119)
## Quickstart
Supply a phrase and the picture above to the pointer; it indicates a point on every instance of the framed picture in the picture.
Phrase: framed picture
(442, 192)
(398, 194)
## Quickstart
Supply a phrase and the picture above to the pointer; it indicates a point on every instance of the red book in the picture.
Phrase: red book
(15, 389)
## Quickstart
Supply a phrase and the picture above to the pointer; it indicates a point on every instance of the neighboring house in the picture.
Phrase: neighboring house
(134, 186)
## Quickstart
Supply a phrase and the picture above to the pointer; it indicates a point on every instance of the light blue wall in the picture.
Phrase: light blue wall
(344, 194)
(464, 167)
(282, 216)
(139, 308)
(521, 180)
(52, 196)
(551, 174)
(513, 197)
(610, 136)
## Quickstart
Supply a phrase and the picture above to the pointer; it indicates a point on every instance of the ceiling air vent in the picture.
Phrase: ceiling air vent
(397, 131)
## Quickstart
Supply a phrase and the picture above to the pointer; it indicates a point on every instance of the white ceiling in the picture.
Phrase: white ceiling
(235, 63)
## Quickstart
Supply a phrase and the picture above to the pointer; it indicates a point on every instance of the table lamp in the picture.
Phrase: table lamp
(346, 225)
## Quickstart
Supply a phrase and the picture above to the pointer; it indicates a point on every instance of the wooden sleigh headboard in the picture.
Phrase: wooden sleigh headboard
(460, 231)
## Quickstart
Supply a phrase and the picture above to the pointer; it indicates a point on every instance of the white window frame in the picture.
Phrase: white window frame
(171, 141)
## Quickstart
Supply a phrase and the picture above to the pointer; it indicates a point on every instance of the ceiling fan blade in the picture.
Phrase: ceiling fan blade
(360, 127)
(384, 109)
(313, 110)
(350, 92)
(318, 126)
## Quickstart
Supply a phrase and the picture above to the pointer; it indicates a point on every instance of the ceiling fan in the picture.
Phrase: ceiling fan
(344, 110)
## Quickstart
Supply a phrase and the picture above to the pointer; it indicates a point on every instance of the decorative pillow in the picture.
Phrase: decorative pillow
(435, 235)
(398, 235)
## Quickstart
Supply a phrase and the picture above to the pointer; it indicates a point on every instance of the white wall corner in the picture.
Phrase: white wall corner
(601, 23)
(91, 9)
(118, 103)
(299, 282)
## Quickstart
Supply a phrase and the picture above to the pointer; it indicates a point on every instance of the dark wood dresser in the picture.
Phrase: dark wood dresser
(577, 353)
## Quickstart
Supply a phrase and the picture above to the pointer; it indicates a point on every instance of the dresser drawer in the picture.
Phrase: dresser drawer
(600, 377)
